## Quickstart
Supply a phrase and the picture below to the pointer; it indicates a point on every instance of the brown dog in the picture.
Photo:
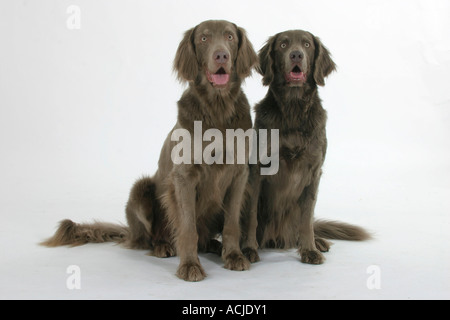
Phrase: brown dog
(185, 205)
(280, 210)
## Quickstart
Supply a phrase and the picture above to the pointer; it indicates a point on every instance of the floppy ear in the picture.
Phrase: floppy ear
(185, 63)
(246, 57)
(265, 67)
(323, 65)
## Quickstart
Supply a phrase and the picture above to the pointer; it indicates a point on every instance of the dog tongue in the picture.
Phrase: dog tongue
(297, 76)
(220, 79)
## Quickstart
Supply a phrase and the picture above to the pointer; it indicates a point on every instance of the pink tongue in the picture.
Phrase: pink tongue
(220, 79)
(297, 76)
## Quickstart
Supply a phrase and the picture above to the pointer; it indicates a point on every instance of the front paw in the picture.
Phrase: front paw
(312, 256)
(251, 254)
(236, 262)
(192, 272)
(163, 250)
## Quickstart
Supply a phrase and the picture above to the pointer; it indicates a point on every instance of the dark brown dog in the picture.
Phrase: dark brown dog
(281, 207)
(185, 206)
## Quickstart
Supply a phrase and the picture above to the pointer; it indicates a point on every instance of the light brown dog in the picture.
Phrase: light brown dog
(183, 207)
(280, 210)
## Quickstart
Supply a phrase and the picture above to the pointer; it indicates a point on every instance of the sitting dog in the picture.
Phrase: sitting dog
(184, 206)
(280, 209)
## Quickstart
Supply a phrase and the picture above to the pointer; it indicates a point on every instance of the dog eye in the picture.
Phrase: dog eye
(204, 38)
(283, 45)
(230, 37)
(307, 45)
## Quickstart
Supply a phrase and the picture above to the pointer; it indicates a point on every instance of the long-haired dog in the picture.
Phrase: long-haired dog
(183, 207)
(280, 211)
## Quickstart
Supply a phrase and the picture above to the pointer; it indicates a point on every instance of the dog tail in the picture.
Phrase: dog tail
(340, 231)
(74, 234)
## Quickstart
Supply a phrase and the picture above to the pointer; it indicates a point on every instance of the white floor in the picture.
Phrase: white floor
(408, 259)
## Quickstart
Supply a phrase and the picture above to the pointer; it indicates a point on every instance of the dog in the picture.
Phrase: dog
(279, 212)
(184, 206)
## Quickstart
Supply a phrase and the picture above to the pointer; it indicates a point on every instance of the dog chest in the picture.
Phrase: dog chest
(213, 186)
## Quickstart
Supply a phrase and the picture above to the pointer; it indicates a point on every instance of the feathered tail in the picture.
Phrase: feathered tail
(340, 231)
(74, 234)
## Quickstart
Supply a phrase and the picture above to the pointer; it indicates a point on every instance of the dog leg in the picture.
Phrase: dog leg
(140, 213)
(250, 243)
(185, 224)
(231, 252)
(146, 220)
(307, 243)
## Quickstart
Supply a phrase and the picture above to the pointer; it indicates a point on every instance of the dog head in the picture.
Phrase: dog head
(215, 52)
(293, 58)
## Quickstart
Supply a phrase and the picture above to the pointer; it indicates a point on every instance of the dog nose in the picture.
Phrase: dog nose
(221, 56)
(296, 56)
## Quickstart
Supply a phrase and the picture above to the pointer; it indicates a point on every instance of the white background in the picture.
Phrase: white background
(83, 113)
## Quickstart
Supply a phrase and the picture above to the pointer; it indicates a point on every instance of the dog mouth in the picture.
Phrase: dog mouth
(218, 79)
(296, 75)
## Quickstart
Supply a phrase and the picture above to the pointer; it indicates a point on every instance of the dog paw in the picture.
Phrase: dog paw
(163, 250)
(322, 245)
(236, 262)
(251, 254)
(192, 272)
(312, 257)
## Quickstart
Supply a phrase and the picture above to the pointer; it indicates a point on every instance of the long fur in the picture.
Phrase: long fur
(340, 231)
(280, 209)
(73, 234)
(183, 208)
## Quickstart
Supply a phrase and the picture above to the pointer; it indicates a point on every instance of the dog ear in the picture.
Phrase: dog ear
(246, 57)
(185, 64)
(323, 64)
(265, 67)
